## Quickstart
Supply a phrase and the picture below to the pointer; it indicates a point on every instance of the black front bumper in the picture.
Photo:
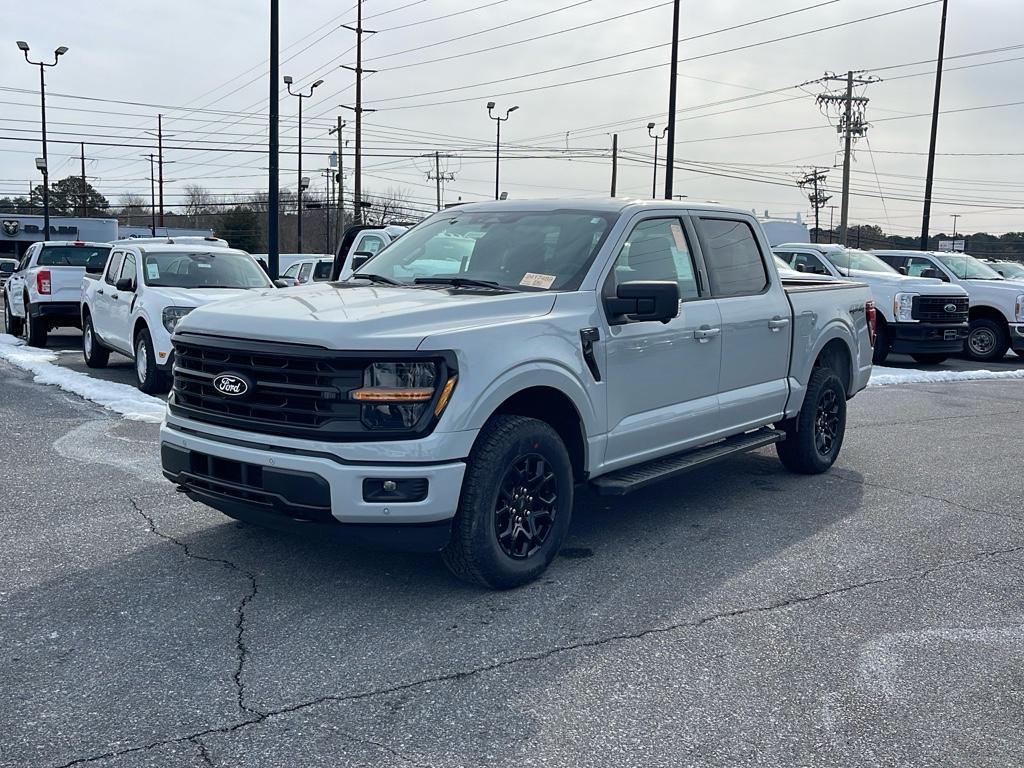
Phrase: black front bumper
(285, 500)
(927, 338)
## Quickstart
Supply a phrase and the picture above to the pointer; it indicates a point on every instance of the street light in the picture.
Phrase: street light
(657, 138)
(301, 96)
(497, 146)
(23, 47)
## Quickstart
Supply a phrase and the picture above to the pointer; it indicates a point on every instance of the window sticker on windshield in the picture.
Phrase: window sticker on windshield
(152, 271)
(202, 265)
(537, 280)
(677, 236)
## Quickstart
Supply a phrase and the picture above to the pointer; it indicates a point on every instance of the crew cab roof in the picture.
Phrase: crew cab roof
(596, 204)
(76, 243)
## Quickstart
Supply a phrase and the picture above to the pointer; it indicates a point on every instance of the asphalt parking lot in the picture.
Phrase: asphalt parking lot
(741, 616)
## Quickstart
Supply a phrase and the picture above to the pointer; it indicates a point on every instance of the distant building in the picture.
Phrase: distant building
(18, 232)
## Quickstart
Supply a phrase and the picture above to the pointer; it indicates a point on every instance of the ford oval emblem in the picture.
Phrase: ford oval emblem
(230, 384)
(950, 307)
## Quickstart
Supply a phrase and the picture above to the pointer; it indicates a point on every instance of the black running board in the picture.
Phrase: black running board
(633, 478)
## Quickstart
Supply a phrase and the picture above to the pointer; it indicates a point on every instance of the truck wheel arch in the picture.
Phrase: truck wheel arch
(836, 354)
(547, 393)
(983, 310)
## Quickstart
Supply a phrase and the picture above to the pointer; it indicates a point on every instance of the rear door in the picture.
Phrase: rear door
(102, 297)
(662, 377)
(756, 321)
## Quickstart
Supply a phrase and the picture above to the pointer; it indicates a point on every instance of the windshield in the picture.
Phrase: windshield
(851, 258)
(1009, 269)
(967, 267)
(524, 250)
(72, 255)
(220, 269)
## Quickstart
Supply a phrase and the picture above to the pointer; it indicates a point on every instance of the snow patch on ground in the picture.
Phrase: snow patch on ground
(121, 398)
(882, 376)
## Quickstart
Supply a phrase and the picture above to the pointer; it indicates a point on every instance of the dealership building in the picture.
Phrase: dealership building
(18, 232)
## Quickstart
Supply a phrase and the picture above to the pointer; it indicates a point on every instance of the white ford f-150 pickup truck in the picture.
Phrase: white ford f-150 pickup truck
(452, 393)
(918, 316)
(996, 320)
(132, 304)
(42, 293)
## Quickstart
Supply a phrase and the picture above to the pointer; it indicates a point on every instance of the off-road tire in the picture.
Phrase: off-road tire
(801, 450)
(474, 552)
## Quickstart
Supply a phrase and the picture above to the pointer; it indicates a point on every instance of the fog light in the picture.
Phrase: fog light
(395, 490)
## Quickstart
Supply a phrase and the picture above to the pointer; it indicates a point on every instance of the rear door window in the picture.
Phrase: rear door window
(733, 258)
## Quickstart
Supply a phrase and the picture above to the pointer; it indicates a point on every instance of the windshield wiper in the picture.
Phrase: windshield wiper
(462, 282)
(383, 280)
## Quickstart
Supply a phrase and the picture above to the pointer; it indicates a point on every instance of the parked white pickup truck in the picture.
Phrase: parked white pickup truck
(918, 316)
(42, 293)
(997, 305)
(454, 403)
(133, 303)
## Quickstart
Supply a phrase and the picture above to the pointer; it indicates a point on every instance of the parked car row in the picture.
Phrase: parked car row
(931, 304)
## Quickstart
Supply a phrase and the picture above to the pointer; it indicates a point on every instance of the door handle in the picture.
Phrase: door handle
(704, 334)
(100, 291)
(113, 296)
(778, 323)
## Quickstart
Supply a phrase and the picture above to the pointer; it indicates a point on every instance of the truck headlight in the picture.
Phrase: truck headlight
(1018, 309)
(171, 316)
(397, 395)
(903, 307)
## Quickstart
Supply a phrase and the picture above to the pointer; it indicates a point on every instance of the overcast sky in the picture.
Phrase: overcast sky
(204, 65)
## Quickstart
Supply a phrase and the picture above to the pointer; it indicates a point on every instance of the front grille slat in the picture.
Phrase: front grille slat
(933, 309)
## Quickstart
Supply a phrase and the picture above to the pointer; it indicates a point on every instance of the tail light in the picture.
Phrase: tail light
(43, 282)
(872, 315)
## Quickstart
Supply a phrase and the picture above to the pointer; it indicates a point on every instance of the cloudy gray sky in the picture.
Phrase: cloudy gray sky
(203, 65)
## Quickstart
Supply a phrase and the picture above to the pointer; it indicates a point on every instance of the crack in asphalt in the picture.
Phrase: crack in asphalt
(203, 754)
(241, 649)
(702, 621)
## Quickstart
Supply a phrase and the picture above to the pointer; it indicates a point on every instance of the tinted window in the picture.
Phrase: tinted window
(6, 267)
(69, 255)
(322, 271)
(113, 268)
(733, 258)
(128, 268)
(657, 249)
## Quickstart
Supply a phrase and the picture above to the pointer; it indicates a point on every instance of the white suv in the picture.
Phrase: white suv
(133, 304)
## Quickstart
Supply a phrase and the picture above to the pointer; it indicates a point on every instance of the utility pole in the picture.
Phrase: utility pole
(615, 161)
(357, 193)
(273, 246)
(670, 150)
(439, 176)
(341, 178)
(831, 216)
(818, 198)
(851, 125)
(929, 176)
(85, 209)
(955, 217)
(160, 161)
(152, 194)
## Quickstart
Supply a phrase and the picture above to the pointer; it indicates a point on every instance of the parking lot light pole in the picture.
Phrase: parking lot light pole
(301, 96)
(657, 138)
(497, 146)
(23, 47)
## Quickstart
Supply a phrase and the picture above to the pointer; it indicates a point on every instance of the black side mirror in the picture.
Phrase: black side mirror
(1001, 273)
(901, 270)
(125, 284)
(644, 301)
(281, 283)
(359, 258)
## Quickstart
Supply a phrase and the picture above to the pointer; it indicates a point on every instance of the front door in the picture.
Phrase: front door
(101, 318)
(662, 377)
(121, 306)
(756, 323)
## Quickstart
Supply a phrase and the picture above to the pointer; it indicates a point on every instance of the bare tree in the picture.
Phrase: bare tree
(198, 201)
(132, 204)
(391, 206)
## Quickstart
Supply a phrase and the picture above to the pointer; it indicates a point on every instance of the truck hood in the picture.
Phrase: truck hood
(197, 297)
(904, 283)
(349, 316)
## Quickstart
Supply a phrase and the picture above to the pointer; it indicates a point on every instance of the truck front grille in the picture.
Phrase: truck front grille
(936, 309)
